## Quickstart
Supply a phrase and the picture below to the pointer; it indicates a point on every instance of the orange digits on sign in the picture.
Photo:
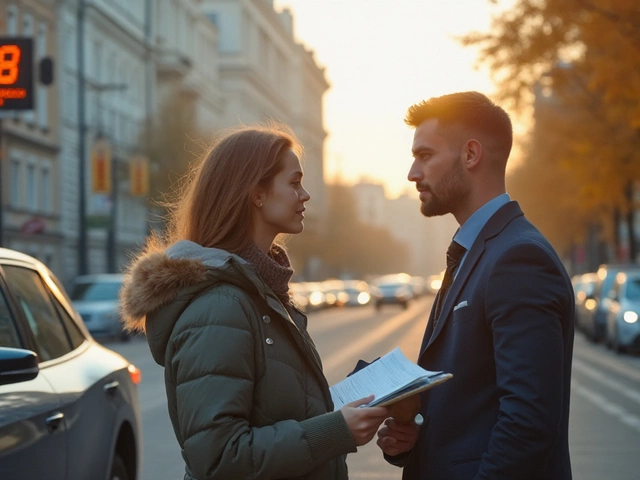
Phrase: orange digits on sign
(9, 61)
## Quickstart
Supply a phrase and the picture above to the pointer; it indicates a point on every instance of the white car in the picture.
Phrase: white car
(623, 316)
(95, 297)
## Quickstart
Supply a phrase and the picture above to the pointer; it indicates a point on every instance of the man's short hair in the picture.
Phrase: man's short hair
(471, 110)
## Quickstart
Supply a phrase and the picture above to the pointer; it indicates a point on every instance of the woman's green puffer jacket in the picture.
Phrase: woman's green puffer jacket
(246, 393)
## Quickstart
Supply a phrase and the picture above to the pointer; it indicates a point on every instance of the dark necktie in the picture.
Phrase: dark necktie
(455, 252)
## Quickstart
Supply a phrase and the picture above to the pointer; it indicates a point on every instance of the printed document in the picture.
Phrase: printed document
(390, 378)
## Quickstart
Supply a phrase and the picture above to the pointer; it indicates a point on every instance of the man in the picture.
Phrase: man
(504, 327)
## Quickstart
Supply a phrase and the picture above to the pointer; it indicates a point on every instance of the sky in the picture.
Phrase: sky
(382, 56)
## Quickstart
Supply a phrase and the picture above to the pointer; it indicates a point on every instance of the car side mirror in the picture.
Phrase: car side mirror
(17, 365)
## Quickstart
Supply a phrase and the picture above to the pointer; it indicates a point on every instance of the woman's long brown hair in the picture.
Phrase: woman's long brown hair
(214, 208)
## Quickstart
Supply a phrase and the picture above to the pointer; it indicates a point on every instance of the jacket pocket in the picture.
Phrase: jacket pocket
(461, 314)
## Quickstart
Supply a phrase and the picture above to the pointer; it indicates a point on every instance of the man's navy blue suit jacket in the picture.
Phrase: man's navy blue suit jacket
(505, 413)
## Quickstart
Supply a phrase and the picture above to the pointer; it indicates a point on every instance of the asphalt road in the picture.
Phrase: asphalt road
(605, 415)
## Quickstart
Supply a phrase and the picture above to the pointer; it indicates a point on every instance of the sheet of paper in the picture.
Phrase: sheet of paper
(391, 372)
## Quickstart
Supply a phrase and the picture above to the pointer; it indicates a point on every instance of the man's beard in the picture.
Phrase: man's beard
(446, 195)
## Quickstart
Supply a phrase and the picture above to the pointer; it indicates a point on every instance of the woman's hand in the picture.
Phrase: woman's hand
(363, 422)
(396, 438)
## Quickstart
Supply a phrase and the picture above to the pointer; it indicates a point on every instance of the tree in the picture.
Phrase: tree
(172, 146)
(345, 244)
(584, 54)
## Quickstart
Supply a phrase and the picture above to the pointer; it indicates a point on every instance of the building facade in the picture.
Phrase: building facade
(30, 142)
(103, 85)
(427, 238)
(123, 69)
(266, 75)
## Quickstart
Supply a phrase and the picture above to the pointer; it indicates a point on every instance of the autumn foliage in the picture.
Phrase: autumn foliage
(576, 62)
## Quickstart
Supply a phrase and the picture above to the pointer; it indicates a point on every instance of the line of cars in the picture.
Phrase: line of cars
(68, 406)
(398, 289)
(608, 306)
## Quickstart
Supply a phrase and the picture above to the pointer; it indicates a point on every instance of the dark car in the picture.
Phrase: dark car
(68, 406)
(595, 324)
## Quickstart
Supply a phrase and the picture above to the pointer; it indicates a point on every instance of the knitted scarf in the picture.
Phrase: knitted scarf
(274, 268)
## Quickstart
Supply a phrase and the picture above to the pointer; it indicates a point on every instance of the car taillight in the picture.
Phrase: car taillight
(135, 374)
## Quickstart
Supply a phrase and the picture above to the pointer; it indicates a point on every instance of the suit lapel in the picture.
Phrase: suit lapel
(461, 278)
(493, 227)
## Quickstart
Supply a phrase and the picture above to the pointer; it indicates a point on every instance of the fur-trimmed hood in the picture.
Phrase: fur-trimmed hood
(164, 283)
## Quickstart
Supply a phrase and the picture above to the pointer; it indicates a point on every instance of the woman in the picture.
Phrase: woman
(246, 393)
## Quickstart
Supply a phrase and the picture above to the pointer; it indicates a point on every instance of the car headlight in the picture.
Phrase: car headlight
(630, 317)
(363, 298)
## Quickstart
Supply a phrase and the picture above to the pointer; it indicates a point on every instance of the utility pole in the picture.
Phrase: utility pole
(82, 162)
(2, 159)
(112, 226)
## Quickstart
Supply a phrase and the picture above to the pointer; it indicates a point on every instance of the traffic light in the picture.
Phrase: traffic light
(16, 73)
(139, 175)
(101, 167)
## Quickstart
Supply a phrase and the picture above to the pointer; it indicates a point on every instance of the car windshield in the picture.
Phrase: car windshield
(95, 292)
(391, 286)
(633, 289)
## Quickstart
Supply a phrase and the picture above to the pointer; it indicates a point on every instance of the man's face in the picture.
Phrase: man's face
(437, 171)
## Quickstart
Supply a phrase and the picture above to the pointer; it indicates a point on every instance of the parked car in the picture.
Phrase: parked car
(583, 287)
(393, 289)
(95, 297)
(312, 291)
(358, 292)
(334, 293)
(296, 291)
(623, 326)
(68, 406)
(595, 324)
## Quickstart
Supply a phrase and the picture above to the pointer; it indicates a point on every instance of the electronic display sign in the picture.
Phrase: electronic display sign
(16, 73)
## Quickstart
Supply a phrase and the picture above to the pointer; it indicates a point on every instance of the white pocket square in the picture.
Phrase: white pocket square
(460, 305)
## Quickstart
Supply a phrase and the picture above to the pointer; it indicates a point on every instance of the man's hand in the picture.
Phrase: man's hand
(363, 422)
(395, 438)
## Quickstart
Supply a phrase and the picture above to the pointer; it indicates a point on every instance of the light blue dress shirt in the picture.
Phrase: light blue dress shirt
(469, 231)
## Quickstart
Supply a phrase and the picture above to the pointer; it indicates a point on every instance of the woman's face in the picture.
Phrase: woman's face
(281, 207)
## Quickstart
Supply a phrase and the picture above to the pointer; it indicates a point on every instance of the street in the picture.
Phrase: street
(605, 416)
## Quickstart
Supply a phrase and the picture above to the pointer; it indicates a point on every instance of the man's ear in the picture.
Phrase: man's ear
(472, 153)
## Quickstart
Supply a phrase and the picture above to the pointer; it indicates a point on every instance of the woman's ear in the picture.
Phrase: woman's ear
(258, 198)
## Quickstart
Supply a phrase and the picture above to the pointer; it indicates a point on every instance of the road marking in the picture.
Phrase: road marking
(363, 343)
(612, 364)
(606, 381)
(607, 406)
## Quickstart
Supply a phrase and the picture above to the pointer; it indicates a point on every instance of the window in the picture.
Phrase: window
(32, 194)
(8, 333)
(15, 176)
(35, 301)
(12, 20)
(633, 289)
(46, 201)
(75, 335)
(42, 92)
(27, 31)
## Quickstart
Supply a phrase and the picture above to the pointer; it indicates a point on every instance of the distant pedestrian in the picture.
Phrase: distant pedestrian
(502, 322)
(246, 393)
